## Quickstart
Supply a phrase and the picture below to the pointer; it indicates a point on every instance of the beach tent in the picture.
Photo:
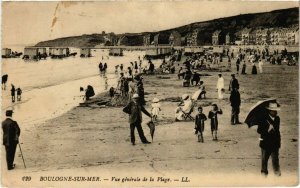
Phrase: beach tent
(152, 52)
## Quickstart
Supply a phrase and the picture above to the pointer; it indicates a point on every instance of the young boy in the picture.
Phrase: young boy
(213, 116)
(199, 124)
(19, 93)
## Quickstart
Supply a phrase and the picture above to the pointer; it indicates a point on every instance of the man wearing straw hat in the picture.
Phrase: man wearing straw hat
(11, 133)
(135, 109)
(270, 140)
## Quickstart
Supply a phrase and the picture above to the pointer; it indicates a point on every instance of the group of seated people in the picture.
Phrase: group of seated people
(189, 77)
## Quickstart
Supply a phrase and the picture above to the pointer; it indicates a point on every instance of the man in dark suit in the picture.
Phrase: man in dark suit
(270, 139)
(195, 78)
(135, 109)
(238, 62)
(234, 83)
(235, 101)
(11, 133)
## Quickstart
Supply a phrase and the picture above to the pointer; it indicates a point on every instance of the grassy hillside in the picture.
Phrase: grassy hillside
(277, 18)
(75, 41)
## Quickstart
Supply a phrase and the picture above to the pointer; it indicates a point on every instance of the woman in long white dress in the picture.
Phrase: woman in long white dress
(220, 86)
(201, 91)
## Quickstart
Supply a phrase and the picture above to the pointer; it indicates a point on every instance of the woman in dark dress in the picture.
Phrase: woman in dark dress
(135, 67)
(244, 68)
(254, 69)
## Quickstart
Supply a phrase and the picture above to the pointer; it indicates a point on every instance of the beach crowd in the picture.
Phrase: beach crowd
(131, 87)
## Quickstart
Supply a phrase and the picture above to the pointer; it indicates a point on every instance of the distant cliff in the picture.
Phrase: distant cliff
(74, 41)
(277, 18)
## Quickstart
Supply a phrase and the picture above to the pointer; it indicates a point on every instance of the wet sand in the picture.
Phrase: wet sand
(95, 141)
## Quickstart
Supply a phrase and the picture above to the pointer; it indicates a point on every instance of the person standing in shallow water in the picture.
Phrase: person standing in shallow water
(13, 93)
(135, 109)
(19, 93)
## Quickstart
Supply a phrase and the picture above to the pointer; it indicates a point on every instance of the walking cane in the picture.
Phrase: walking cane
(22, 155)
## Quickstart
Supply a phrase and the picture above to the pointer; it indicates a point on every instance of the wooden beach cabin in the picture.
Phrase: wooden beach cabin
(191, 50)
(115, 52)
(35, 53)
(85, 52)
(198, 50)
(6, 52)
(218, 49)
(59, 52)
(157, 53)
(151, 52)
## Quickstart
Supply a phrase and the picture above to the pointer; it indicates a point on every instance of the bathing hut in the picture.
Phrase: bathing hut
(198, 50)
(85, 52)
(6, 52)
(151, 52)
(191, 50)
(35, 53)
(218, 49)
(59, 52)
(116, 52)
(157, 53)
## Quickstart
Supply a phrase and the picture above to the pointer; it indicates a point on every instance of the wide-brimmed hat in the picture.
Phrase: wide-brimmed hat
(135, 96)
(274, 106)
(185, 96)
(155, 100)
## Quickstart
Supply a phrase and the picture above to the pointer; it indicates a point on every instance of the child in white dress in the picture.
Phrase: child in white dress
(155, 108)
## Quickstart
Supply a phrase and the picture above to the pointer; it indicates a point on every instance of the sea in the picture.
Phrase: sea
(51, 87)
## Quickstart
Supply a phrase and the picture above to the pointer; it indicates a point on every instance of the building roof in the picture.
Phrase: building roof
(175, 34)
(246, 30)
(217, 32)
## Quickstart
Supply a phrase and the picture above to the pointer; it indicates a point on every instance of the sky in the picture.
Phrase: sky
(27, 23)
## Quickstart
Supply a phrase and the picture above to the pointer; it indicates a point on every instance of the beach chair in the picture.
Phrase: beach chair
(189, 114)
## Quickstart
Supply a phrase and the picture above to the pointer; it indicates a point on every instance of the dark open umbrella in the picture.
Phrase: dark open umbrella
(257, 112)
(151, 126)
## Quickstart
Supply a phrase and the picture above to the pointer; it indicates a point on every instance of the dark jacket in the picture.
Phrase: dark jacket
(11, 132)
(135, 112)
(213, 116)
(235, 98)
(234, 83)
(271, 140)
(199, 122)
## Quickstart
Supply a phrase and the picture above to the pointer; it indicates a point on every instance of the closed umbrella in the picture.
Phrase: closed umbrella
(151, 126)
(258, 111)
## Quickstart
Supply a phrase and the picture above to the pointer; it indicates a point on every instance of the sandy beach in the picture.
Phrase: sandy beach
(95, 141)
